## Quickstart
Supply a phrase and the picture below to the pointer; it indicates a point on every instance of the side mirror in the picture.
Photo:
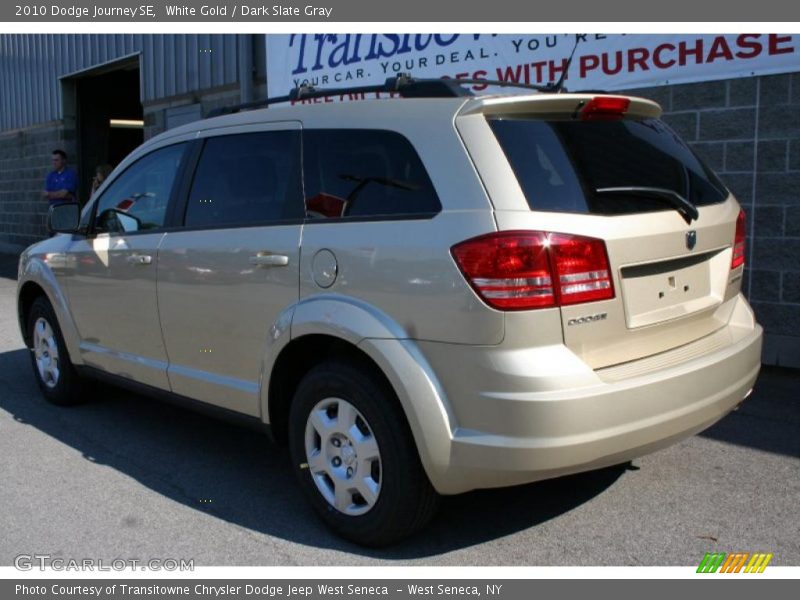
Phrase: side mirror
(113, 220)
(64, 218)
(127, 222)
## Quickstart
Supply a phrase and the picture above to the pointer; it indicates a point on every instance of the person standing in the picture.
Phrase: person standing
(100, 174)
(61, 184)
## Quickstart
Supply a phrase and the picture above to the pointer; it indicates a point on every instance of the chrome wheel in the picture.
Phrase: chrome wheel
(45, 350)
(343, 456)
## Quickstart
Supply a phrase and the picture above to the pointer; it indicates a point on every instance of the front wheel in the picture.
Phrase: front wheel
(54, 372)
(354, 455)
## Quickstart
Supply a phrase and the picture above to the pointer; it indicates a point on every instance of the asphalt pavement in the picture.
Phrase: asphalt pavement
(124, 476)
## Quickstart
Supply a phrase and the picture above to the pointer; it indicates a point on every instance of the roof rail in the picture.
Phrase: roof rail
(403, 84)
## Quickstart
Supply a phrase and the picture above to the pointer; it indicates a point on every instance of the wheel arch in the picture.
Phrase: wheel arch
(296, 359)
(328, 326)
(38, 279)
(28, 292)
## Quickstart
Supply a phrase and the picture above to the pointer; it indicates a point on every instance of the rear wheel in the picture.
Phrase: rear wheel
(54, 372)
(354, 455)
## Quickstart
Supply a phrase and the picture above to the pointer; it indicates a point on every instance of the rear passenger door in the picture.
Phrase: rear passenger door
(228, 272)
(376, 229)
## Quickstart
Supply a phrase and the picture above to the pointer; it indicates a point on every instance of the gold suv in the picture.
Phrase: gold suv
(421, 296)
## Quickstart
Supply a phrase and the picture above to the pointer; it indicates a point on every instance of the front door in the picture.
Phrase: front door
(112, 288)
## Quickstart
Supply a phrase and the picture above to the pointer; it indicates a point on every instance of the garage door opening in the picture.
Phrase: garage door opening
(109, 119)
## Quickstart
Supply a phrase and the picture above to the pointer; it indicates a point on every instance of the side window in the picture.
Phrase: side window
(364, 173)
(137, 200)
(247, 179)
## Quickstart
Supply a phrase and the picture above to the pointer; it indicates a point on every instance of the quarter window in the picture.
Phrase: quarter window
(247, 179)
(364, 173)
(137, 200)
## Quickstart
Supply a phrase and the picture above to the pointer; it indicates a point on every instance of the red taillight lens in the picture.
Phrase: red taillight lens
(521, 270)
(509, 270)
(738, 241)
(582, 268)
(605, 108)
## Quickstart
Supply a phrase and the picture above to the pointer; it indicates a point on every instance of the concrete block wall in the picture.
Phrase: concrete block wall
(25, 160)
(154, 112)
(748, 130)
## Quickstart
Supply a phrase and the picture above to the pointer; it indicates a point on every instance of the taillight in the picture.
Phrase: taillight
(738, 241)
(581, 268)
(521, 270)
(605, 108)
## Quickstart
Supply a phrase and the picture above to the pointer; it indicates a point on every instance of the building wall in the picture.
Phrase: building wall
(170, 65)
(748, 130)
(174, 70)
(24, 161)
(155, 112)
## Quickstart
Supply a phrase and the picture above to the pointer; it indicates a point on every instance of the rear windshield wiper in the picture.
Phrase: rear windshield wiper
(686, 208)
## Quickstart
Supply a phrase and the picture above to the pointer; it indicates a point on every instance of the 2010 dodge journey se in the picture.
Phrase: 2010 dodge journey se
(420, 296)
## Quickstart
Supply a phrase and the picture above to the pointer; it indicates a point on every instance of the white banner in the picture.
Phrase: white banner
(601, 62)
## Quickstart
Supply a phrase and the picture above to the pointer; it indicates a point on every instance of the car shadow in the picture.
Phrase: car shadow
(239, 475)
(769, 419)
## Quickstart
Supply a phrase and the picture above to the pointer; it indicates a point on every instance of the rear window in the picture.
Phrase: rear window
(561, 165)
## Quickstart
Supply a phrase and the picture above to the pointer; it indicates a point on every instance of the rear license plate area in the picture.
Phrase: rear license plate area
(666, 290)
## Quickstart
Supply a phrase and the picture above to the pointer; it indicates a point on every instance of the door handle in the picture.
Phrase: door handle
(140, 259)
(267, 259)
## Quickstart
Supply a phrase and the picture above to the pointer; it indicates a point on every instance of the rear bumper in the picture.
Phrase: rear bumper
(529, 436)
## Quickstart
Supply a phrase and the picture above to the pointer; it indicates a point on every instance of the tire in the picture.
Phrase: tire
(398, 498)
(56, 376)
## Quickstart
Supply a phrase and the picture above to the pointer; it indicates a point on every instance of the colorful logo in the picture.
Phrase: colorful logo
(734, 563)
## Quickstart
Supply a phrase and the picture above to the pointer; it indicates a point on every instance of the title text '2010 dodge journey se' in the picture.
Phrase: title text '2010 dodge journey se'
(421, 296)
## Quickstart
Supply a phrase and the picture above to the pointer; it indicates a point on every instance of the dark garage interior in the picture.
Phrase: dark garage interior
(109, 120)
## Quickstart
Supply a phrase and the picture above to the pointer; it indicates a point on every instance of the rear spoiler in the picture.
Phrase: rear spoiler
(554, 105)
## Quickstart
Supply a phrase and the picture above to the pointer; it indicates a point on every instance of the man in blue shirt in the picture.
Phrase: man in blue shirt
(61, 184)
